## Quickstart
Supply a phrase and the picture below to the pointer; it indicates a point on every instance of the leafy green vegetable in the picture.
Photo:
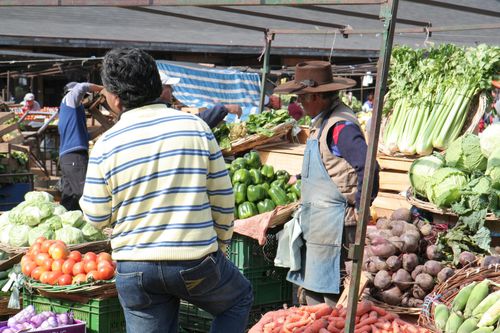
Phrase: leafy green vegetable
(55, 222)
(493, 168)
(421, 171)
(70, 235)
(465, 154)
(92, 234)
(73, 218)
(490, 139)
(19, 235)
(42, 230)
(445, 186)
(38, 196)
(59, 209)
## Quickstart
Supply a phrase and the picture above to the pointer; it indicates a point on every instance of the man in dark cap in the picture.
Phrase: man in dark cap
(74, 142)
(332, 177)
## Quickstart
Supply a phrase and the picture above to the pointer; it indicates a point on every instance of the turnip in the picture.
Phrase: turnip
(382, 280)
(410, 243)
(383, 224)
(419, 269)
(466, 258)
(433, 267)
(397, 228)
(418, 292)
(374, 263)
(445, 274)
(425, 281)
(392, 296)
(402, 279)
(393, 263)
(403, 214)
(432, 253)
(396, 241)
(410, 261)
(382, 247)
(426, 229)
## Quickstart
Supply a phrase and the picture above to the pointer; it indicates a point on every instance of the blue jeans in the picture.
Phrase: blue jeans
(150, 293)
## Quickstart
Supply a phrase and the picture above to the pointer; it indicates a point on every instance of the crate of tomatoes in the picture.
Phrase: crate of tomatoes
(51, 268)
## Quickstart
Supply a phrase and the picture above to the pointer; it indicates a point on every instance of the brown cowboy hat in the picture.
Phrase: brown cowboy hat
(314, 77)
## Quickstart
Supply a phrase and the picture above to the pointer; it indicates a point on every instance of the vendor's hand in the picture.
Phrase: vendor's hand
(234, 109)
(292, 180)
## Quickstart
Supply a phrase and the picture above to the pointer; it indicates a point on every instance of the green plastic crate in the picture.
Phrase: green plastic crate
(101, 316)
(246, 253)
(269, 285)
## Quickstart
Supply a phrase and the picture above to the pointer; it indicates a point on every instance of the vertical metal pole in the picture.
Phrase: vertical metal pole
(265, 70)
(8, 87)
(388, 13)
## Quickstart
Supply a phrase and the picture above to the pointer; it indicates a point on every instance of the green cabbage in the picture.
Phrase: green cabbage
(31, 216)
(38, 196)
(59, 209)
(55, 222)
(490, 139)
(465, 154)
(73, 218)
(19, 235)
(15, 214)
(4, 232)
(493, 168)
(70, 235)
(481, 185)
(91, 233)
(42, 230)
(421, 171)
(445, 186)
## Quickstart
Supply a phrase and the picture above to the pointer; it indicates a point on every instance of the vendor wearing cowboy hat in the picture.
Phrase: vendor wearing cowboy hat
(212, 116)
(332, 177)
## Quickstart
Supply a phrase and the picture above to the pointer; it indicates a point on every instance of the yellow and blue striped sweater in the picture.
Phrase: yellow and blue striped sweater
(159, 179)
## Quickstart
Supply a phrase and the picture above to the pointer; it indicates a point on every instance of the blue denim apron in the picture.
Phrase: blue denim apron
(322, 223)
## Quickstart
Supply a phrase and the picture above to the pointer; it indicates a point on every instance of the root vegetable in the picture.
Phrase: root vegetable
(433, 267)
(397, 229)
(490, 261)
(410, 243)
(402, 279)
(375, 264)
(415, 302)
(419, 269)
(403, 214)
(410, 261)
(382, 247)
(466, 258)
(418, 292)
(432, 253)
(383, 224)
(425, 281)
(396, 241)
(426, 229)
(382, 280)
(392, 296)
(445, 274)
(393, 263)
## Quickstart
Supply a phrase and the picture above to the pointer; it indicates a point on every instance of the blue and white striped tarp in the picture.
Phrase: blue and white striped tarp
(204, 87)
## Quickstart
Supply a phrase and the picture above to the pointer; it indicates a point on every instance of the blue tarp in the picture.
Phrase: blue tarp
(203, 87)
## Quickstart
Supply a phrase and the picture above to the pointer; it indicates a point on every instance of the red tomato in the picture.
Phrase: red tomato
(75, 255)
(93, 275)
(28, 267)
(104, 256)
(47, 263)
(46, 246)
(35, 249)
(90, 266)
(106, 272)
(27, 258)
(79, 278)
(35, 274)
(57, 265)
(58, 251)
(40, 240)
(52, 277)
(89, 256)
(78, 268)
(44, 277)
(41, 257)
(64, 280)
(67, 267)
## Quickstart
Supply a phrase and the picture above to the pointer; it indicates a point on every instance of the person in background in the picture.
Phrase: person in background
(368, 105)
(159, 179)
(74, 142)
(294, 109)
(29, 103)
(332, 178)
(212, 116)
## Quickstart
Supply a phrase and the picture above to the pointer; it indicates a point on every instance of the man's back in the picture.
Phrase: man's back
(168, 186)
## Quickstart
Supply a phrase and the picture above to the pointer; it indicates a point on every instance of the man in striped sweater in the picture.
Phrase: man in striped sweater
(159, 179)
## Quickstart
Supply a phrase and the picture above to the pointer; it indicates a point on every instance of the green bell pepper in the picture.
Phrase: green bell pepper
(282, 174)
(266, 186)
(296, 187)
(256, 193)
(256, 176)
(253, 159)
(292, 197)
(241, 176)
(239, 163)
(246, 210)
(265, 205)
(240, 192)
(267, 171)
(278, 195)
(279, 183)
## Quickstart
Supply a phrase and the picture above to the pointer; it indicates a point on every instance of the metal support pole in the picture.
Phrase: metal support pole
(388, 13)
(265, 70)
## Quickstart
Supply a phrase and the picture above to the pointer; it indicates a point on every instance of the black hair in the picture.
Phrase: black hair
(293, 99)
(331, 95)
(132, 75)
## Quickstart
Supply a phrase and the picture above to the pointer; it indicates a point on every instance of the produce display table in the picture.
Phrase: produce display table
(286, 156)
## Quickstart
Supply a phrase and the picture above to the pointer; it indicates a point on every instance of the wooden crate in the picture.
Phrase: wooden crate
(286, 156)
(385, 203)
(12, 166)
(9, 132)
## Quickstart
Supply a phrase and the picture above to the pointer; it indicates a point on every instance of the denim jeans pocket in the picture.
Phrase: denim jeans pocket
(201, 278)
(131, 291)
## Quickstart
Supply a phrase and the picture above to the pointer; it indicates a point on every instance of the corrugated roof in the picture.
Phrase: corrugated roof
(113, 26)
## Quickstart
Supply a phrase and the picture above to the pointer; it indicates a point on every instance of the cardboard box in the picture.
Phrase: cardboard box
(78, 327)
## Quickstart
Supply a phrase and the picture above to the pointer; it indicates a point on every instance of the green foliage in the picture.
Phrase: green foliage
(445, 186)
(465, 154)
